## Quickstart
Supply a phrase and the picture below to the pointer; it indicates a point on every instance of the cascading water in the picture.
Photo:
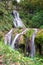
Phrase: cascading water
(16, 37)
(7, 38)
(17, 21)
(33, 43)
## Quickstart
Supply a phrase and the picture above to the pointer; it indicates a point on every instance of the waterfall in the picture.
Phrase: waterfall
(7, 38)
(16, 37)
(17, 21)
(33, 43)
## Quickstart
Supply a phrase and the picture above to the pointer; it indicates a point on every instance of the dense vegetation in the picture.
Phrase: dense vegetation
(39, 41)
(14, 57)
(31, 13)
(39, 37)
(6, 19)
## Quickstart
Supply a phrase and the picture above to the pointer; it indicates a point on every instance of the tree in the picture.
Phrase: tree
(37, 20)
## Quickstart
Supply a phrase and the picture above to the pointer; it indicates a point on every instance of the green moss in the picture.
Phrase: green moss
(29, 34)
(19, 30)
(39, 37)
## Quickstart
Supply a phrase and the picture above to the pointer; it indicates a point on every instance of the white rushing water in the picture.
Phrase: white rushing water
(17, 21)
(33, 43)
(7, 38)
(16, 37)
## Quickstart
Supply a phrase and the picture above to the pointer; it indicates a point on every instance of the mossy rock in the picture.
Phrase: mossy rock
(39, 37)
(29, 34)
(19, 30)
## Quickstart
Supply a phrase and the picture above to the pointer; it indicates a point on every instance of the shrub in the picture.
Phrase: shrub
(37, 20)
(39, 37)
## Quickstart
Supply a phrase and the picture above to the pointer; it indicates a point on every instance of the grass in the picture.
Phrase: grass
(11, 56)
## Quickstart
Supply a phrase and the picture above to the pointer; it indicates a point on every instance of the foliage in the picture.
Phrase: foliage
(41, 27)
(32, 20)
(31, 10)
(6, 18)
(29, 34)
(37, 20)
(12, 56)
(39, 37)
(20, 30)
(26, 17)
(32, 5)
